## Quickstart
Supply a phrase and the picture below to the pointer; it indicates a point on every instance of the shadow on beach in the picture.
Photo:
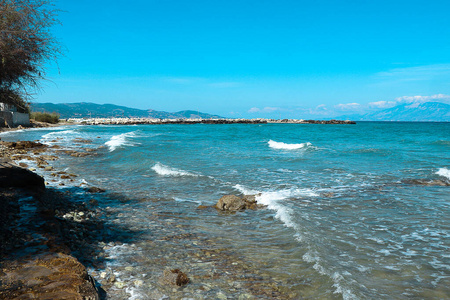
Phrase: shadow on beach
(41, 232)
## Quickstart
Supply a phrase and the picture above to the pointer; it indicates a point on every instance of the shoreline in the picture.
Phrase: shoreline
(83, 234)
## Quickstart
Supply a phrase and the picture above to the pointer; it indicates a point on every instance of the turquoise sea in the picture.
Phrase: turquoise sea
(352, 211)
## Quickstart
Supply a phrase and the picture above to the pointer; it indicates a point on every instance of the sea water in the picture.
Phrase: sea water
(343, 217)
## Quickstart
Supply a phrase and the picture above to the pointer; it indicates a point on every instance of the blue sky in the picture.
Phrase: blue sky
(295, 59)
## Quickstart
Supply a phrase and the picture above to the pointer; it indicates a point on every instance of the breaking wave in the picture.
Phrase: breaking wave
(444, 172)
(164, 170)
(281, 145)
(272, 199)
(120, 140)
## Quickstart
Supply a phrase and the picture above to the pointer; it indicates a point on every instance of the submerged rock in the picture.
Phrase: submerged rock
(427, 182)
(95, 189)
(174, 277)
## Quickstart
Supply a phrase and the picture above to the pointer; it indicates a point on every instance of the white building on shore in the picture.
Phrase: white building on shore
(10, 117)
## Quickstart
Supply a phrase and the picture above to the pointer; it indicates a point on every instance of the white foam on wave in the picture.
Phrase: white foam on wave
(273, 201)
(120, 140)
(164, 170)
(11, 132)
(284, 146)
(444, 172)
(54, 134)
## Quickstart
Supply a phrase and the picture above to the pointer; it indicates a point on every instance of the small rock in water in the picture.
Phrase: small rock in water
(174, 277)
(138, 283)
(95, 189)
(112, 278)
(245, 296)
(119, 284)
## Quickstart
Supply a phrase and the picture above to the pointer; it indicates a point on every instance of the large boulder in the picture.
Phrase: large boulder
(15, 176)
(235, 203)
(50, 276)
(231, 203)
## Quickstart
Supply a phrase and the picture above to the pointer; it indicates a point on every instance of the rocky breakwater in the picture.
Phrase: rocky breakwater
(152, 121)
(35, 260)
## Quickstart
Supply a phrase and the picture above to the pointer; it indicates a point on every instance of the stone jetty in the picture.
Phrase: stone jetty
(153, 121)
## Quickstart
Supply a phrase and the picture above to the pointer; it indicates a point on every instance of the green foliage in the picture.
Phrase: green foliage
(52, 118)
(26, 46)
(12, 97)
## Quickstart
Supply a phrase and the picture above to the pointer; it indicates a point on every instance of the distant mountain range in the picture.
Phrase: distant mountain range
(408, 112)
(412, 112)
(92, 110)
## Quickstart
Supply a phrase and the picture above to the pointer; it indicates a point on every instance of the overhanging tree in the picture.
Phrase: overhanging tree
(26, 45)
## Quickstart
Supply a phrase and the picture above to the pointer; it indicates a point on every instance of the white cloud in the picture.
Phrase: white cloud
(383, 104)
(421, 99)
(254, 110)
(348, 106)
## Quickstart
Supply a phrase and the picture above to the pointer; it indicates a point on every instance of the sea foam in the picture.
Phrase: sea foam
(120, 140)
(164, 170)
(284, 146)
(273, 201)
(444, 172)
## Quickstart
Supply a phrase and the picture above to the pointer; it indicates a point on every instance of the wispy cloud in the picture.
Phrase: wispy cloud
(264, 110)
(225, 84)
(420, 73)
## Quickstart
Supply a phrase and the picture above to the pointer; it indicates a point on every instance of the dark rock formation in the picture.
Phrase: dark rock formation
(50, 276)
(94, 189)
(427, 182)
(174, 277)
(18, 177)
(23, 145)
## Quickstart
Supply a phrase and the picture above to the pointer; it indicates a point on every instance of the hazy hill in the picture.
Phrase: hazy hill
(419, 112)
(87, 110)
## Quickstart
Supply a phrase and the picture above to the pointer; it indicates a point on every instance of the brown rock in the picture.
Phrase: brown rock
(203, 207)
(427, 182)
(231, 203)
(51, 276)
(23, 145)
(80, 140)
(235, 203)
(94, 189)
(174, 277)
